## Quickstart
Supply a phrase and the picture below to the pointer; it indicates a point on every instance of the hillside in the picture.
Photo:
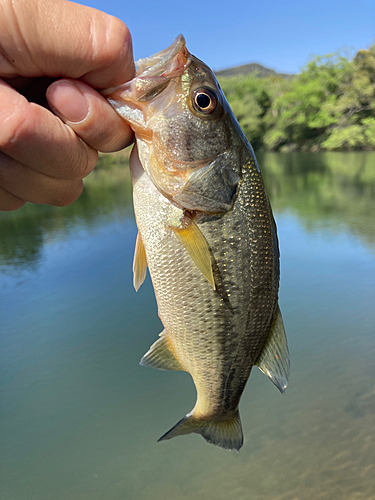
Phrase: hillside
(253, 68)
(329, 106)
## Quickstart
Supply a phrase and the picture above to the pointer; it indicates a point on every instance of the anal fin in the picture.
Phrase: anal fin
(161, 356)
(139, 263)
(197, 247)
(274, 359)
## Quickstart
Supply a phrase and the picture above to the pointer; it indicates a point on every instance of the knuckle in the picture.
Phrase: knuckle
(110, 53)
(17, 203)
(89, 163)
(120, 140)
(72, 192)
(82, 161)
(12, 130)
(11, 204)
(119, 40)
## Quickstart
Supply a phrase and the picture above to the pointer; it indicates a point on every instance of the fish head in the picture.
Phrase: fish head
(187, 137)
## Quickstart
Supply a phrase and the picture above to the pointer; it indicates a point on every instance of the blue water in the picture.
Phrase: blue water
(80, 418)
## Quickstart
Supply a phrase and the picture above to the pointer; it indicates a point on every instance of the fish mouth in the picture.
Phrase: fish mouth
(153, 73)
(167, 62)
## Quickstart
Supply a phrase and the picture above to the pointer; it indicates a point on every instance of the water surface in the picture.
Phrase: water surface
(79, 416)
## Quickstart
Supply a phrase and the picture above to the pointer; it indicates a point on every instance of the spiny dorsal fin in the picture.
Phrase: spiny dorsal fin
(196, 245)
(225, 432)
(161, 356)
(274, 359)
(139, 263)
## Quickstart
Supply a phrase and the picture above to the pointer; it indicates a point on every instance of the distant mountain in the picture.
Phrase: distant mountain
(246, 69)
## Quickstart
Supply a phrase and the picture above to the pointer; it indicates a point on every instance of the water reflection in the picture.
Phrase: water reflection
(334, 187)
(337, 189)
(107, 196)
(80, 418)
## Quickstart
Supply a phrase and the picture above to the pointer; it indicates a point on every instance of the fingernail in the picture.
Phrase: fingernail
(68, 101)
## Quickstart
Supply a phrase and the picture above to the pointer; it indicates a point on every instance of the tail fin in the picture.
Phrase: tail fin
(225, 433)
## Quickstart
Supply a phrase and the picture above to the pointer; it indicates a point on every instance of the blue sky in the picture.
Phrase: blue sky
(278, 34)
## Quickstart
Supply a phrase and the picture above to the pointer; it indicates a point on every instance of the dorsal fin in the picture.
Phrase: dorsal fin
(197, 247)
(274, 359)
(139, 263)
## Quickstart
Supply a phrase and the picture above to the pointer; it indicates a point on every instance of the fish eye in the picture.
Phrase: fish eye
(204, 101)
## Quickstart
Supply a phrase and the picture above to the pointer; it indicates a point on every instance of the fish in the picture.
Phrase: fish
(208, 237)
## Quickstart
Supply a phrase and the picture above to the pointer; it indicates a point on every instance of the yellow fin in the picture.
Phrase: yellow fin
(161, 355)
(197, 247)
(139, 263)
(225, 432)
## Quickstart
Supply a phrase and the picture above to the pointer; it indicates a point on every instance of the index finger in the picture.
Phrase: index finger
(63, 39)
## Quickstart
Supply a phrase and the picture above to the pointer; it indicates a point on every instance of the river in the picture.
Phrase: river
(80, 418)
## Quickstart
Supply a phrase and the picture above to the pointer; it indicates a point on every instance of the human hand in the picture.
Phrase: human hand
(44, 157)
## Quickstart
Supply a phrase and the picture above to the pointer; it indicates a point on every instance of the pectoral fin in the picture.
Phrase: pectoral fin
(161, 356)
(274, 359)
(139, 263)
(197, 247)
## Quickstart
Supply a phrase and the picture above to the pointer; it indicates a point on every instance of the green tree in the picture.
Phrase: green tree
(329, 106)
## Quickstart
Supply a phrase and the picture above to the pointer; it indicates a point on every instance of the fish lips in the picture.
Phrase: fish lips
(153, 74)
(166, 62)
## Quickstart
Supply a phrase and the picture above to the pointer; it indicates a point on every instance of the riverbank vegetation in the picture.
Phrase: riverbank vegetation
(329, 106)
(319, 189)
